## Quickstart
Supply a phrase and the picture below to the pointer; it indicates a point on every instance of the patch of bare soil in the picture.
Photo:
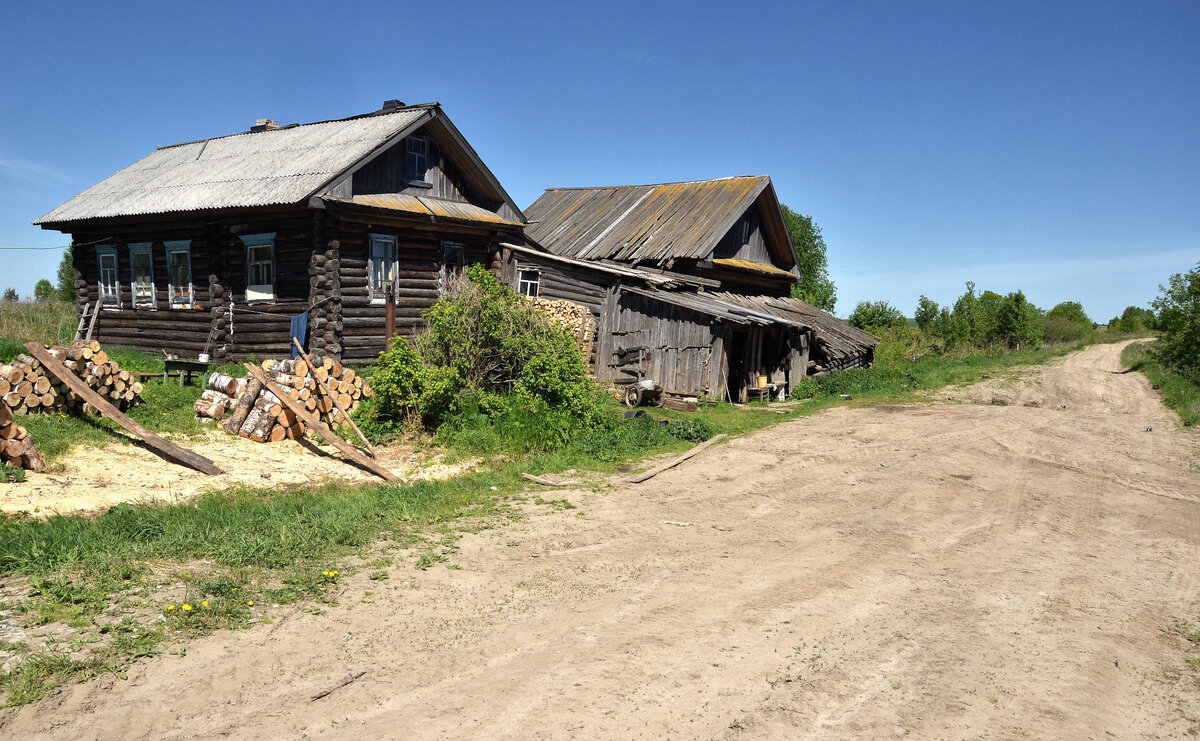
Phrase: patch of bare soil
(951, 570)
(90, 479)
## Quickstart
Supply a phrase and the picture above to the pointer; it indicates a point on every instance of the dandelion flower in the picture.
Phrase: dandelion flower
(204, 603)
(170, 608)
(187, 607)
(250, 602)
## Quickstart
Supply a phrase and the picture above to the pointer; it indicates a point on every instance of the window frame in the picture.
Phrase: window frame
(414, 175)
(375, 288)
(136, 250)
(176, 297)
(450, 247)
(254, 292)
(536, 282)
(109, 294)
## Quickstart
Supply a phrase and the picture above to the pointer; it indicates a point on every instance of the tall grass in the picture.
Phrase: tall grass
(1179, 392)
(47, 322)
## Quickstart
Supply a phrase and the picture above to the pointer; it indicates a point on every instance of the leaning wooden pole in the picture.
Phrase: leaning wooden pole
(167, 449)
(318, 426)
(324, 385)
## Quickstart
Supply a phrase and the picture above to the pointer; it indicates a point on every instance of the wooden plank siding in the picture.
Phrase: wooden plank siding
(680, 342)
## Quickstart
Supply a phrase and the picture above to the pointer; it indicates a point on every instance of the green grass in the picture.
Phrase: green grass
(47, 322)
(1179, 392)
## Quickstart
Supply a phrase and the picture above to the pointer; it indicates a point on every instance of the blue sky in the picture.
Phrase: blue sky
(1050, 147)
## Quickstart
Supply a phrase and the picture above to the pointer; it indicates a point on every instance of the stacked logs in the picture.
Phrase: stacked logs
(259, 415)
(16, 446)
(574, 318)
(26, 387)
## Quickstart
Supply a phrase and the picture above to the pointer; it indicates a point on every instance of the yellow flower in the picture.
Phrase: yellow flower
(235, 589)
(334, 573)
(170, 608)
(324, 573)
(250, 602)
(187, 607)
(204, 603)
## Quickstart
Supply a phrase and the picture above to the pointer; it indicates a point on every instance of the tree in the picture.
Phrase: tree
(10, 294)
(927, 312)
(1018, 322)
(1179, 321)
(66, 276)
(43, 290)
(876, 315)
(817, 288)
(1067, 322)
(1134, 319)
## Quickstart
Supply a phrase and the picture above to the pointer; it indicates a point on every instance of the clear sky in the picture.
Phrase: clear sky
(1046, 146)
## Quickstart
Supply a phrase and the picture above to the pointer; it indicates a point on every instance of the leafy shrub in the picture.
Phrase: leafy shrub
(876, 315)
(1017, 323)
(1134, 319)
(693, 430)
(1066, 322)
(1179, 321)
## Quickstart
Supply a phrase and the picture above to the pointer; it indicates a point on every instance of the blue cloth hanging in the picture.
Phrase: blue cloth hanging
(299, 331)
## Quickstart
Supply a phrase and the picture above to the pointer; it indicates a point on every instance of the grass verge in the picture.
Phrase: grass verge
(1179, 392)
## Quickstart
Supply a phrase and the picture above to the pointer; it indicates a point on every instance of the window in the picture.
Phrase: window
(527, 282)
(179, 273)
(416, 158)
(745, 231)
(110, 290)
(381, 271)
(454, 260)
(142, 262)
(260, 266)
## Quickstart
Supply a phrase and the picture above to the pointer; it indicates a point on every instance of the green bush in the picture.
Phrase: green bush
(1179, 321)
(1067, 322)
(876, 315)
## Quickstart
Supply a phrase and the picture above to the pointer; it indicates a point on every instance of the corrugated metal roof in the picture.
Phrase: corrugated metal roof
(427, 206)
(265, 168)
(635, 223)
(753, 267)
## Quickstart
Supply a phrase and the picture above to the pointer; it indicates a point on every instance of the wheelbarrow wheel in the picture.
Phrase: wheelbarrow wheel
(633, 396)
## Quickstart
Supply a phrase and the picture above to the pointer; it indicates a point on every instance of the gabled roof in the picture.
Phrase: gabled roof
(652, 223)
(438, 208)
(275, 167)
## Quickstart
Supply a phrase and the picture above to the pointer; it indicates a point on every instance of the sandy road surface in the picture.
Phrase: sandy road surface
(955, 570)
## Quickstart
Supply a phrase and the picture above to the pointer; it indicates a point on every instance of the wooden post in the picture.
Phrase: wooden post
(319, 427)
(169, 450)
(389, 322)
(333, 396)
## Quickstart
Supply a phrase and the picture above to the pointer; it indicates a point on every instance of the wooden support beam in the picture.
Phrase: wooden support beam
(333, 396)
(319, 427)
(676, 461)
(168, 450)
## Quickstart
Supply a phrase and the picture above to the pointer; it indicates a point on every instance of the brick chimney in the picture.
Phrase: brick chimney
(264, 124)
(391, 105)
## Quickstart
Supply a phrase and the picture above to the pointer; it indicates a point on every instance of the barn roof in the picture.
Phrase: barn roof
(651, 223)
(838, 339)
(280, 166)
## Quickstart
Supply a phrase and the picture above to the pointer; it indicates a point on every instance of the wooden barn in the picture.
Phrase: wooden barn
(689, 284)
(219, 245)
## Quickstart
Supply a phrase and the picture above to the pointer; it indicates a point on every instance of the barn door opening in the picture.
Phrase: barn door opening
(735, 351)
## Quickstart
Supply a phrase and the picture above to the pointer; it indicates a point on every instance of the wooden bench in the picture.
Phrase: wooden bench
(185, 369)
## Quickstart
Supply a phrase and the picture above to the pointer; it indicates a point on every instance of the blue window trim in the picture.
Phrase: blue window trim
(110, 299)
(135, 249)
(264, 239)
(376, 292)
(175, 246)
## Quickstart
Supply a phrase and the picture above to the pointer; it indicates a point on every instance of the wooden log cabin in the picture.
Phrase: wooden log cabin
(689, 284)
(215, 245)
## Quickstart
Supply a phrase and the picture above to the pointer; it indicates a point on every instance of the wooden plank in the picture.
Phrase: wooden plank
(319, 427)
(676, 461)
(168, 449)
(334, 397)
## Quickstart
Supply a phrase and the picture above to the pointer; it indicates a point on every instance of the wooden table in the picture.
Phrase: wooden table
(185, 368)
(761, 392)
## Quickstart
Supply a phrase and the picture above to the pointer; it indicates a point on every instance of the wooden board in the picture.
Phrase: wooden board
(319, 427)
(168, 450)
(676, 461)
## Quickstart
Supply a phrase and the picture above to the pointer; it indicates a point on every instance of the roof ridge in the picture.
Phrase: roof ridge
(658, 185)
(289, 127)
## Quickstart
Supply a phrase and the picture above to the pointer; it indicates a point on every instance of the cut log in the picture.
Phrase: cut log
(167, 449)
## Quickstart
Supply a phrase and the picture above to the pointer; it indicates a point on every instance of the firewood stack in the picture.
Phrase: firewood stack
(16, 446)
(259, 415)
(577, 319)
(25, 387)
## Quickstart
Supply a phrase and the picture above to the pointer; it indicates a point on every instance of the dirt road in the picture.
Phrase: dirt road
(1011, 564)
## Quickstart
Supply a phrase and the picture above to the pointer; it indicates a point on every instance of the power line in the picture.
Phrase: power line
(6, 249)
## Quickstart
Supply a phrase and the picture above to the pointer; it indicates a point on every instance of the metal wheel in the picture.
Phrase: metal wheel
(633, 396)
